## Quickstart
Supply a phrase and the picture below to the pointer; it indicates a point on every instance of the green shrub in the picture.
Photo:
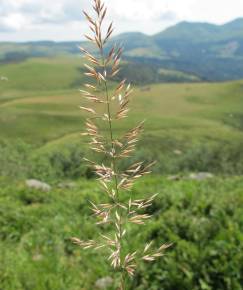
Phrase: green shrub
(14, 158)
(204, 220)
(65, 161)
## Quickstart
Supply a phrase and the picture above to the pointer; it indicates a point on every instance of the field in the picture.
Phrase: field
(190, 127)
(40, 103)
(195, 126)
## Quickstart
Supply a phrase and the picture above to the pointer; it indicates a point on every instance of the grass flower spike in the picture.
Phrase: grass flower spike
(107, 108)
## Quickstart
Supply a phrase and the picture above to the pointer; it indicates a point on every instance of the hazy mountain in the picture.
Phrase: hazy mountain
(203, 32)
(213, 52)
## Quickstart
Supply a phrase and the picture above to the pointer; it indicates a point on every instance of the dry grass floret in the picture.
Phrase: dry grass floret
(102, 69)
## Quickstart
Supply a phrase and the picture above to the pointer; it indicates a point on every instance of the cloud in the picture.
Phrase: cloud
(5, 28)
(42, 12)
(12, 18)
(62, 19)
(53, 12)
(12, 22)
(5, 8)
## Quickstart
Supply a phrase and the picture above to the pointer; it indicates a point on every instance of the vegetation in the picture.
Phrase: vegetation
(209, 52)
(60, 160)
(202, 218)
(190, 127)
(144, 74)
(114, 213)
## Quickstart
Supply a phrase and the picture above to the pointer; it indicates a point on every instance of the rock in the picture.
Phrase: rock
(200, 176)
(174, 177)
(36, 184)
(104, 283)
(67, 185)
(37, 257)
(2, 78)
(178, 152)
(145, 89)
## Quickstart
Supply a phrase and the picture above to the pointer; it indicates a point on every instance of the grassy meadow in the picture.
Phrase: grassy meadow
(39, 104)
(190, 127)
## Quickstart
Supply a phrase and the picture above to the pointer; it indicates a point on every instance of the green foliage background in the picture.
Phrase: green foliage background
(190, 127)
(204, 220)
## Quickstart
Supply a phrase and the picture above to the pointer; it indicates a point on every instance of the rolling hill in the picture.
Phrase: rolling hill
(210, 52)
(190, 125)
(48, 87)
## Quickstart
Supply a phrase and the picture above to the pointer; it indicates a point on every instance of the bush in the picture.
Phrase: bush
(65, 161)
(61, 162)
(204, 220)
(14, 158)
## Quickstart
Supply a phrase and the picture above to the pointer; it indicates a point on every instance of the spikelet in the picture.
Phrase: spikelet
(113, 182)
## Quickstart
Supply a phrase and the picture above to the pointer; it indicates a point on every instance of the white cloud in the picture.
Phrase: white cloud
(136, 10)
(15, 21)
(62, 19)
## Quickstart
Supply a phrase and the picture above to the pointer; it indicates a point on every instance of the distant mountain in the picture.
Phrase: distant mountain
(203, 32)
(195, 32)
(211, 52)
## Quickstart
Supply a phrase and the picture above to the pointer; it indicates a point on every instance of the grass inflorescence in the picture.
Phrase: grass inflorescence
(109, 108)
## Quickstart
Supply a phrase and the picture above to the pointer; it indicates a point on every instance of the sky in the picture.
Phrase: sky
(62, 20)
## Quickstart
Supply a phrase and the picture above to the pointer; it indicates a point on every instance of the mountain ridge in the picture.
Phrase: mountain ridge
(212, 52)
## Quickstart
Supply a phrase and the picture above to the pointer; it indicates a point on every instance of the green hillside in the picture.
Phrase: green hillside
(201, 121)
(190, 127)
(31, 93)
(204, 32)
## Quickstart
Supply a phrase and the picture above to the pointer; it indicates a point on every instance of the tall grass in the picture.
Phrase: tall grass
(116, 213)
